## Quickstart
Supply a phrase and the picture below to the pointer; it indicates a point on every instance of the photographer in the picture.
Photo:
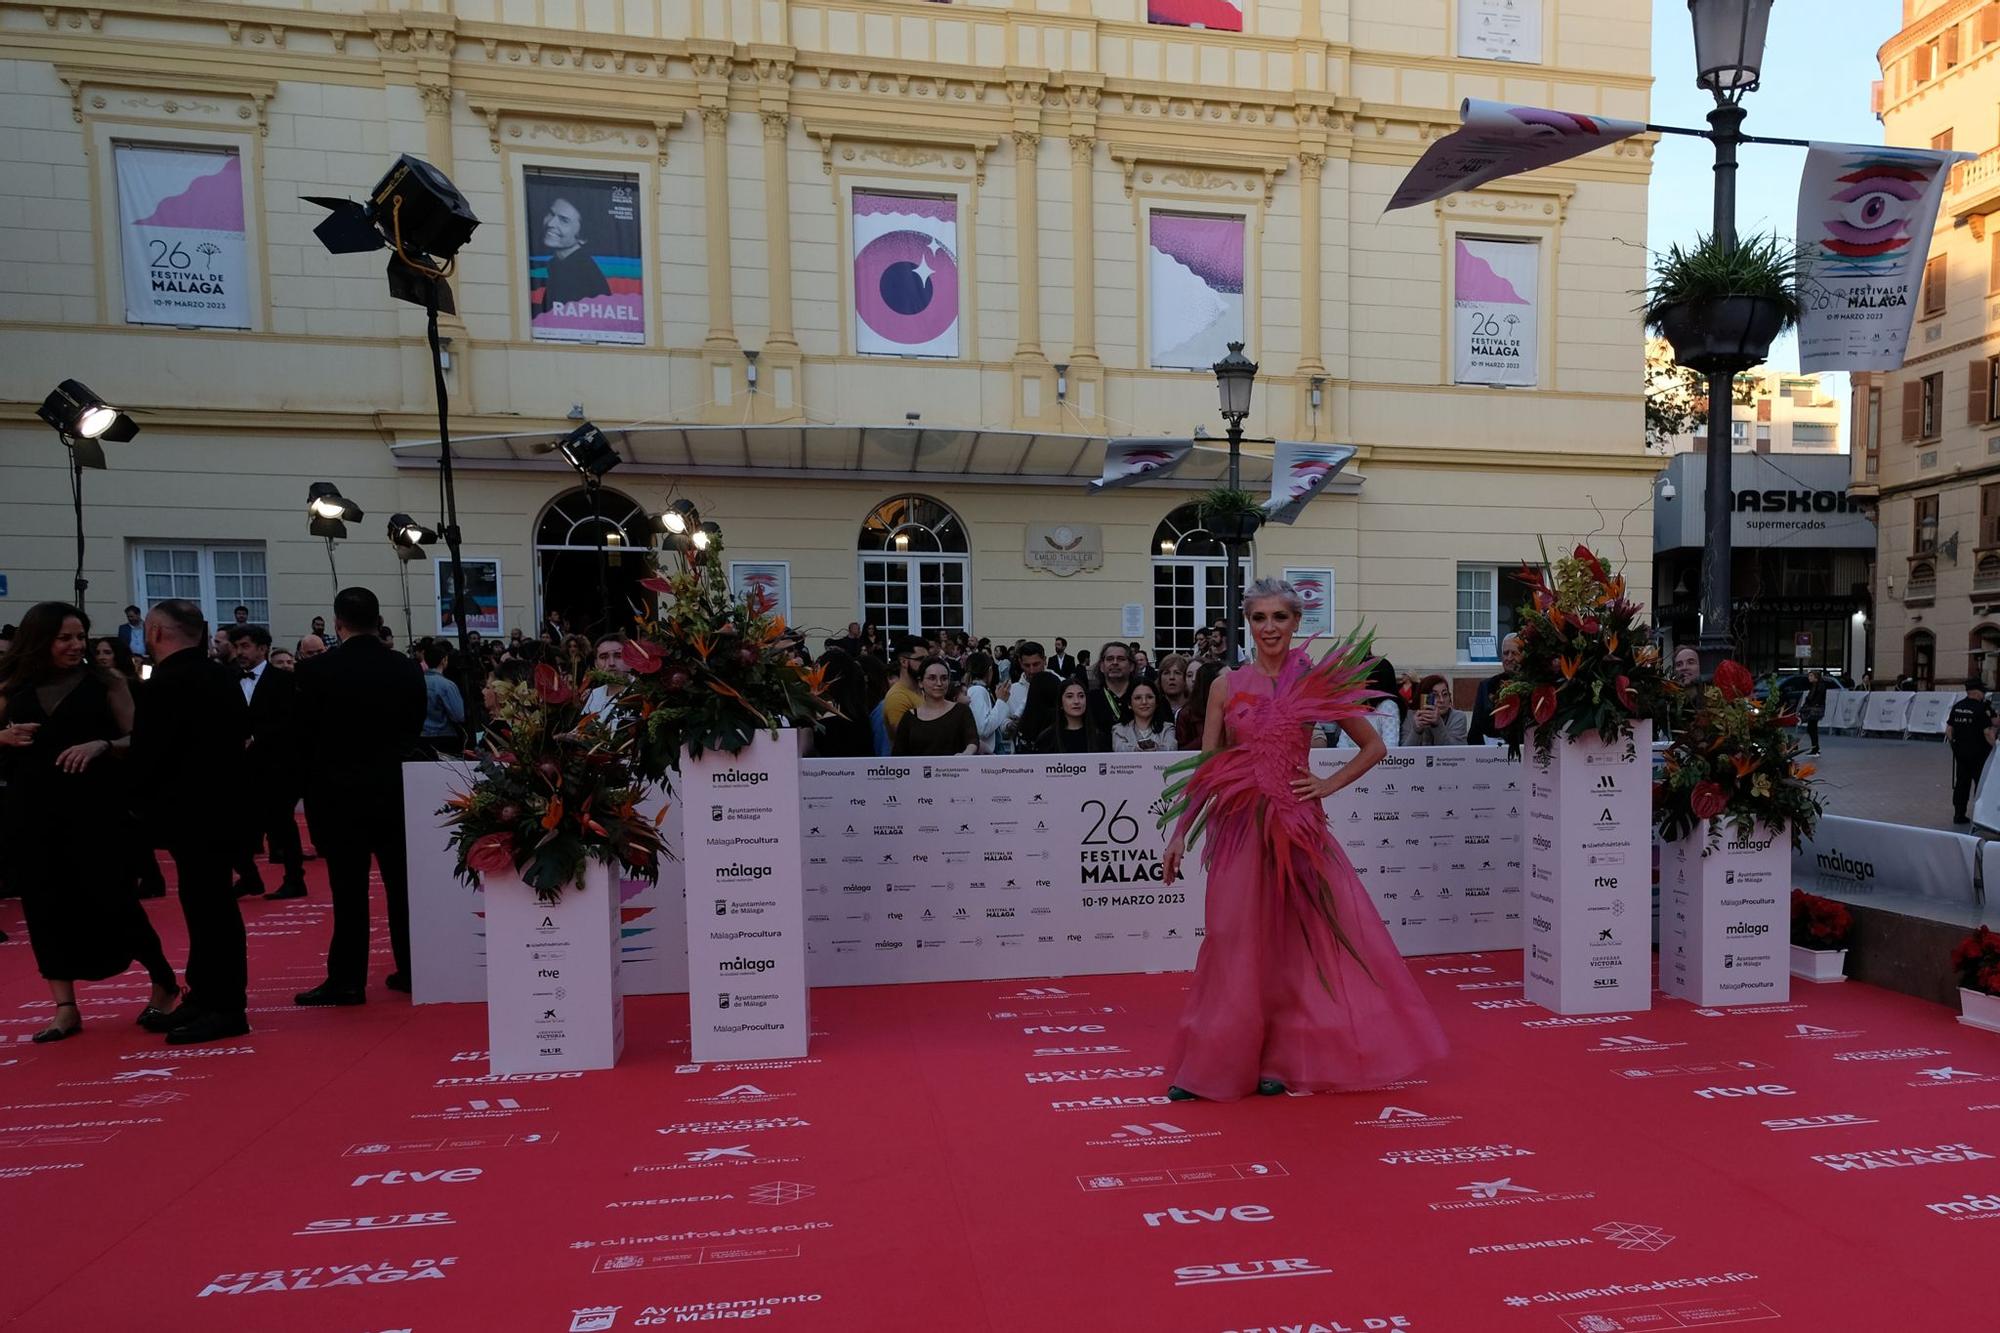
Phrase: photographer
(1434, 721)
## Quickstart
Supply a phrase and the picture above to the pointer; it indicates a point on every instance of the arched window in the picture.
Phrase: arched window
(1922, 588)
(916, 566)
(1920, 657)
(1190, 572)
(567, 582)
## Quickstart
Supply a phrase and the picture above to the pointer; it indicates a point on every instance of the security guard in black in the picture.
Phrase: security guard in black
(1969, 727)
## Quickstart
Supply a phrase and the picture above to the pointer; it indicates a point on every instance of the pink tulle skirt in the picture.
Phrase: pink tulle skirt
(1276, 995)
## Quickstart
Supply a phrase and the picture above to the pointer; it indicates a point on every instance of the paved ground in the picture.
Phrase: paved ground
(1899, 782)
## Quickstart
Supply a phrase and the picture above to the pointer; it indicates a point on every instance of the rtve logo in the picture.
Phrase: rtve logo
(1749, 1090)
(1187, 1217)
(455, 1176)
(1060, 1029)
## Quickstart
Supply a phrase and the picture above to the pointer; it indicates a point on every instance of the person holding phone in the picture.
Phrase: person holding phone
(1434, 721)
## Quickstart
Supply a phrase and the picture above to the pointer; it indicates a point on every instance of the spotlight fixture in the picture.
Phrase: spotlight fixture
(83, 419)
(589, 451)
(416, 212)
(750, 369)
(409, 537)
(678, 519)
(705, 536)
(329, 510)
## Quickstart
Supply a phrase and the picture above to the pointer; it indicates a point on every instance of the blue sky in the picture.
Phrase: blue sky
(1818, 65)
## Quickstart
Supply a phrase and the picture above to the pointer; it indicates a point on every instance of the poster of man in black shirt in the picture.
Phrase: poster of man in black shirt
(1969, 728)
(586, 279)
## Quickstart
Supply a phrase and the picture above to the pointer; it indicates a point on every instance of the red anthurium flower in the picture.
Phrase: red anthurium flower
(1623, 687)
(1592, 563)
(1588, 624)
(553, 686)
(1734, 680)
(657, 584)
(1544, 706)
(1504, 715)
(1707, 800)
(643, 657)
(492, 854)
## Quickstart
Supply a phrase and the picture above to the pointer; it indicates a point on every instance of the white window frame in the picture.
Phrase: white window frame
(912, 563)
(1492, 574)
(212, 603)
(1204, 614)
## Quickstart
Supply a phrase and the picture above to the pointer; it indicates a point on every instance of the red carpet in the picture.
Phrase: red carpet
(992, 1156)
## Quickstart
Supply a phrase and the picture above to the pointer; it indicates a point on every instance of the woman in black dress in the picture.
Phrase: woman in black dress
(1074, 731)
(66, 724)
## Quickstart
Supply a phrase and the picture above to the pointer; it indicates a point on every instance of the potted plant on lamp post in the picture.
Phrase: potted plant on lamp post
(1977, 962)
(1230, 515)
(1820, 928)
(1721, 306)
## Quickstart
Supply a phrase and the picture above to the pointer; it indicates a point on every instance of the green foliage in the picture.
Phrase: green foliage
(1761, 266)
(1222, 502)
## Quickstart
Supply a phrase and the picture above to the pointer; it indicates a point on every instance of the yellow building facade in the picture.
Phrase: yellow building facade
(1927, 436)
(765, 344)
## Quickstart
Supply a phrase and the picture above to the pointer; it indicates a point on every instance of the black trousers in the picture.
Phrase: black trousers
(277, 820)
(348, 837)
(1966, 766)
(218, 962)
(1812, 733)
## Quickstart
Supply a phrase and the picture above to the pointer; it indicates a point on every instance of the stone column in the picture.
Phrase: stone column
(778, 229)
(1083, 247)
(715, 170)
(1311, 163)
(1027, 246)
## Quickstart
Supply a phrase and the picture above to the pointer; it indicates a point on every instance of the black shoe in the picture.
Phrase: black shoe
(327, 993)
(1269, 1087)
(289, 889)
(56, 1032)
(1180, 1094)
(249, 888)
(209, 1027)
(398, 981)
(162, 1021)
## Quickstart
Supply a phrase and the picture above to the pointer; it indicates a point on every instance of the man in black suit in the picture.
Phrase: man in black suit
(190, 779)
(1483, 703)
(359, 709)
(1062, 661)
(273, 761)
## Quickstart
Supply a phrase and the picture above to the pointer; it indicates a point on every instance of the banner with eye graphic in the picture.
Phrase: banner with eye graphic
(1865, 219)
(905, 274)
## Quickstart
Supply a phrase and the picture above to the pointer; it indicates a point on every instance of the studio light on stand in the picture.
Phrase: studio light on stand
(408, 538)
(328, 513)
(418, 215)
(82, 421)
(677, 519)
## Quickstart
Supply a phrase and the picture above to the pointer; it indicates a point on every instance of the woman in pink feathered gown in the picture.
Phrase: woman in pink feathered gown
(1298, 984)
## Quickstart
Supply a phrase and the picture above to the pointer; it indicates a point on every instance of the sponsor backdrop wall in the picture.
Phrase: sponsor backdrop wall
(1020, 866)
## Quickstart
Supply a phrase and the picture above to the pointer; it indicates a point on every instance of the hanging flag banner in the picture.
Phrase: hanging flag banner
(1135, 460)
(1865, 219)
(1494, 333)
(1500, 140)
(1298, 473)
(180, 214)
(1194, 298)
(586, 267)
(905, 274)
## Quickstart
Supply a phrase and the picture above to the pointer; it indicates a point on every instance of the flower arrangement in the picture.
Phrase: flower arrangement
(1587, 662)
(710, 669)
(556, 789)
(1819, 923)
(1734, 763)
(1977, 961)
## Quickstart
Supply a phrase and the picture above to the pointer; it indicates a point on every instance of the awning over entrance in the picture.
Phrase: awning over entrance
(880, 453)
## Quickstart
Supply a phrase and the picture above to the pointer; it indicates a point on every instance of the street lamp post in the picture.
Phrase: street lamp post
(1235, 375)
(1729, 52)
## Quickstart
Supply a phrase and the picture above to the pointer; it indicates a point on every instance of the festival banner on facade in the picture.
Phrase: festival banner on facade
(1220, 15)
(1134, 460)
(1315, 589)
(1494, 330)
(1298, 473)
(905, 274)
(482, 586)
(1500, 30)
(1194, 298)
(586, 267)
(1500, 140)
(770, 579)
(1865, 219)
(180, 214)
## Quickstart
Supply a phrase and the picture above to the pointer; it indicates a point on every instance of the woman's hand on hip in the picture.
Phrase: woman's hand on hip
(1309, 788)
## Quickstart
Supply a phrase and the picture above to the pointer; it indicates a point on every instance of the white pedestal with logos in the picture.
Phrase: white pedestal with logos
(1586, 918)
(1725, 929)
(741, 852)
(553, 999)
